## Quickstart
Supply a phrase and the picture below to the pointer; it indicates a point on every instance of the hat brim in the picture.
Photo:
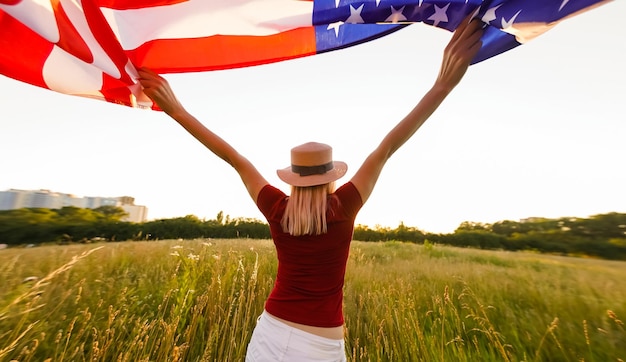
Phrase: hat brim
(294, 179)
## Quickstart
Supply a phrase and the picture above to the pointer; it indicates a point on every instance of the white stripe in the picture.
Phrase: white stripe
(67, 74)
(37, 15)
(202, 18)
(100, 58)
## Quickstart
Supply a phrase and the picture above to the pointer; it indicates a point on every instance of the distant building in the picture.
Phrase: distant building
(17, 199)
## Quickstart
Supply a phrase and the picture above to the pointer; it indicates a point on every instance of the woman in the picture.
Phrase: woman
(312, 228)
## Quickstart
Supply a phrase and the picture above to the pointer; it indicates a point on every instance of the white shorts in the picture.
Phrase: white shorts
(275, 341)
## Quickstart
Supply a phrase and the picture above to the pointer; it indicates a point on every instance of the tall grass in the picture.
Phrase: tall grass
(199, 300)
(446, 304)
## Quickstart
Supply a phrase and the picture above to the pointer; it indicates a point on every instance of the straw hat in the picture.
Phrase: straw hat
(312, 164)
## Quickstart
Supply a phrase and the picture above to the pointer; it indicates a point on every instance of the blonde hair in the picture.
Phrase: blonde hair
(305, 213)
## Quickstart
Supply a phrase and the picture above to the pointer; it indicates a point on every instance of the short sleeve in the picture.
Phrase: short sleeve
(350, 198)
(269, 200)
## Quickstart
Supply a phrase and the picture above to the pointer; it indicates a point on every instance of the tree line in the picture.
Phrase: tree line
(601, 236)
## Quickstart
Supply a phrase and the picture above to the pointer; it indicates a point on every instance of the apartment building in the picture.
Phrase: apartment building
(17, 199)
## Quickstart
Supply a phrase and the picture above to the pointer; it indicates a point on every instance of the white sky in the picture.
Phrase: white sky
(537, 131)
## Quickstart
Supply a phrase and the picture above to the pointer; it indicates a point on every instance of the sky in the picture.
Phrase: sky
(538, 131)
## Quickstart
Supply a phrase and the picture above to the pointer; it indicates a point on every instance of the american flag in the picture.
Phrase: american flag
(91, 48)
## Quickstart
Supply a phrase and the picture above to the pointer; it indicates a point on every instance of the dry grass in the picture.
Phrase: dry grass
(198, 301)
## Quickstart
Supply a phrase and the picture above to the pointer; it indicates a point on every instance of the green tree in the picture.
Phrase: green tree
(73, 215)
(473, 226)
(220, 218)
(111, 213)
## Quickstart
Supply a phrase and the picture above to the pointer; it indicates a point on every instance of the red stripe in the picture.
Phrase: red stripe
(106, 38)
(115, 91)
(223, 52)
(70, 40)
(135, 4)
(23, 52)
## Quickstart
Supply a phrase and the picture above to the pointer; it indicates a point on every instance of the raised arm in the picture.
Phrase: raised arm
(459, 52)
(159, 90)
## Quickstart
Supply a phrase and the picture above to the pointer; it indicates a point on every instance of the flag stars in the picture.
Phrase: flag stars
(396, 15)
(508, 24)
(440, 15)
(335, 26)
(355, 15)
(490, 15)
(563, 3)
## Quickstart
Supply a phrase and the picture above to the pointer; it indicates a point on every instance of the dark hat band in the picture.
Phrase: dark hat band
(312, 170)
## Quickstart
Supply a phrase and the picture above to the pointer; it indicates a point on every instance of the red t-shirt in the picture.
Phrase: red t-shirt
(311, 268)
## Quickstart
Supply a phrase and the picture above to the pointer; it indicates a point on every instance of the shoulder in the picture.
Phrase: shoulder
(270, 199)
(271, 202)
(349, 198)
(269, 192)
(349, 190)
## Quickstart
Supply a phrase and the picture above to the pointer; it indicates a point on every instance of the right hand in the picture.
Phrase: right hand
(159, 90)
(460, 51)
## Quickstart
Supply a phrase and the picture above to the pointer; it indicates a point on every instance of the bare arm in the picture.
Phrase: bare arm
(463, 46)
(159, 90)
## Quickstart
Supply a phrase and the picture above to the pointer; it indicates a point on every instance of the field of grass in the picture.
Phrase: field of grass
(198, 301)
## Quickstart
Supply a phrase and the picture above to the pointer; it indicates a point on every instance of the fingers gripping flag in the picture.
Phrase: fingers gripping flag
(91, 48)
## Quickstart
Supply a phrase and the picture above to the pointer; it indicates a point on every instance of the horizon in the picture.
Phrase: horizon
(262, 220)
